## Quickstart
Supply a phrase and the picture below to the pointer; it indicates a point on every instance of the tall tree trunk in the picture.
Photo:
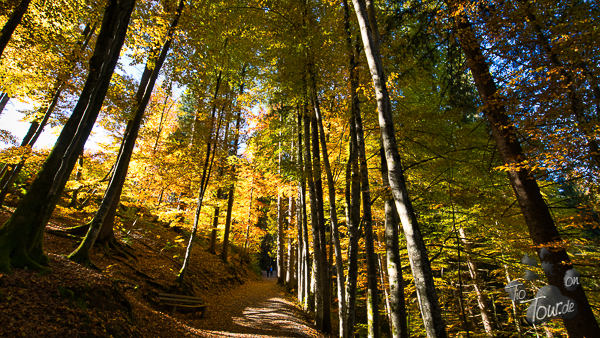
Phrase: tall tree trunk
(289, 276)
(304, 226)
(299, 246)
(233, 150)
(317, 305)
(21, 237)
(206, 171)
(394, 266)
(367, 221)
(482, 300)
(352, 193)
(323, 263)
(515, 311)
(213, 233)
(335, 237)
(299, 212)
(353, 221)
(280, 231)
(540, 223)
(417, 251)
(246, 243)
(82, 253)
(13, 21)
(225, 248)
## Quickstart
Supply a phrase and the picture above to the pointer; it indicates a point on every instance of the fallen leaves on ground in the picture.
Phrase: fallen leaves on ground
(121, 299)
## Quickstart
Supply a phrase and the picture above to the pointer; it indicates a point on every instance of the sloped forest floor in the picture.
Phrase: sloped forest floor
(121, 298)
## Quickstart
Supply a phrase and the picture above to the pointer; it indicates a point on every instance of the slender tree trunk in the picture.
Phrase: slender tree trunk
(78, 177)
(353, 221)
(317, 305)
(386, 294)
(213, 233)
(304, 226)
(394, 266)
(13, 21)
(352, 193)
(482, 300)
(82, 253)
(206, 172)
(540, 223)
(335, 237)
(289, 277)
(323, 263)
(234, 150)
(367, 221)
(417, 251)
(299, 246)
(299, 211)
(21, 237)
(225, 249)
(280, 231)
(246, 244)
(515, 312)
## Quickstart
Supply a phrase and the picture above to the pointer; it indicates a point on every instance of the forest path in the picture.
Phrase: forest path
(255, 309)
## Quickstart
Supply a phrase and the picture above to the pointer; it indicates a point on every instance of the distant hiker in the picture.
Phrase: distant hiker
(270, 273)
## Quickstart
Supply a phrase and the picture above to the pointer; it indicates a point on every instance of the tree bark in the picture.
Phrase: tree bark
(21, 237)
(206, 171)
(289, 276)
(13, 21)
(317, 305)
(323, 263)
(367, 221)
(213, 233)
(335, 237)
(280, 231)
(417, 251)
(234, 150)
(304, 226)
(353, 222)
(540, 223)
(482, 300)
(394, 266)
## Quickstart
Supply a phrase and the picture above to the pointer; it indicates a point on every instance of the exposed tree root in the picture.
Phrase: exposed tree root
(79, 230)
(83, 259)
(21, 260)
(62, 233)
(124, 301)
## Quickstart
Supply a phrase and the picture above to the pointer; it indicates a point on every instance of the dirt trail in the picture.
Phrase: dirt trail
(256, 309)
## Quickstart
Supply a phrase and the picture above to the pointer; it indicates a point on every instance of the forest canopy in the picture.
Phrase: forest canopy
(410, 168)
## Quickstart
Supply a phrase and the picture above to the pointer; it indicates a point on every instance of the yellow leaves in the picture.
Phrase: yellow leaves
(14, 155)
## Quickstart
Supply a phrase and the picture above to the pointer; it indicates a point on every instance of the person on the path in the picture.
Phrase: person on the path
(270, 274)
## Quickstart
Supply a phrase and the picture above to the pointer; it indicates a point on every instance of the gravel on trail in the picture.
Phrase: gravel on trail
(255, 309)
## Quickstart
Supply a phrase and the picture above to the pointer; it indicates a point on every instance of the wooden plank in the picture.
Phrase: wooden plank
(168, 295)
(190, 306)
(181, 300)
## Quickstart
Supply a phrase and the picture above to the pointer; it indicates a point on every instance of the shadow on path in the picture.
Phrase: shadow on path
(257, 309)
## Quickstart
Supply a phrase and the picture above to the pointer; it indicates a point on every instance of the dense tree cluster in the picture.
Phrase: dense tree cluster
(403, 156)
